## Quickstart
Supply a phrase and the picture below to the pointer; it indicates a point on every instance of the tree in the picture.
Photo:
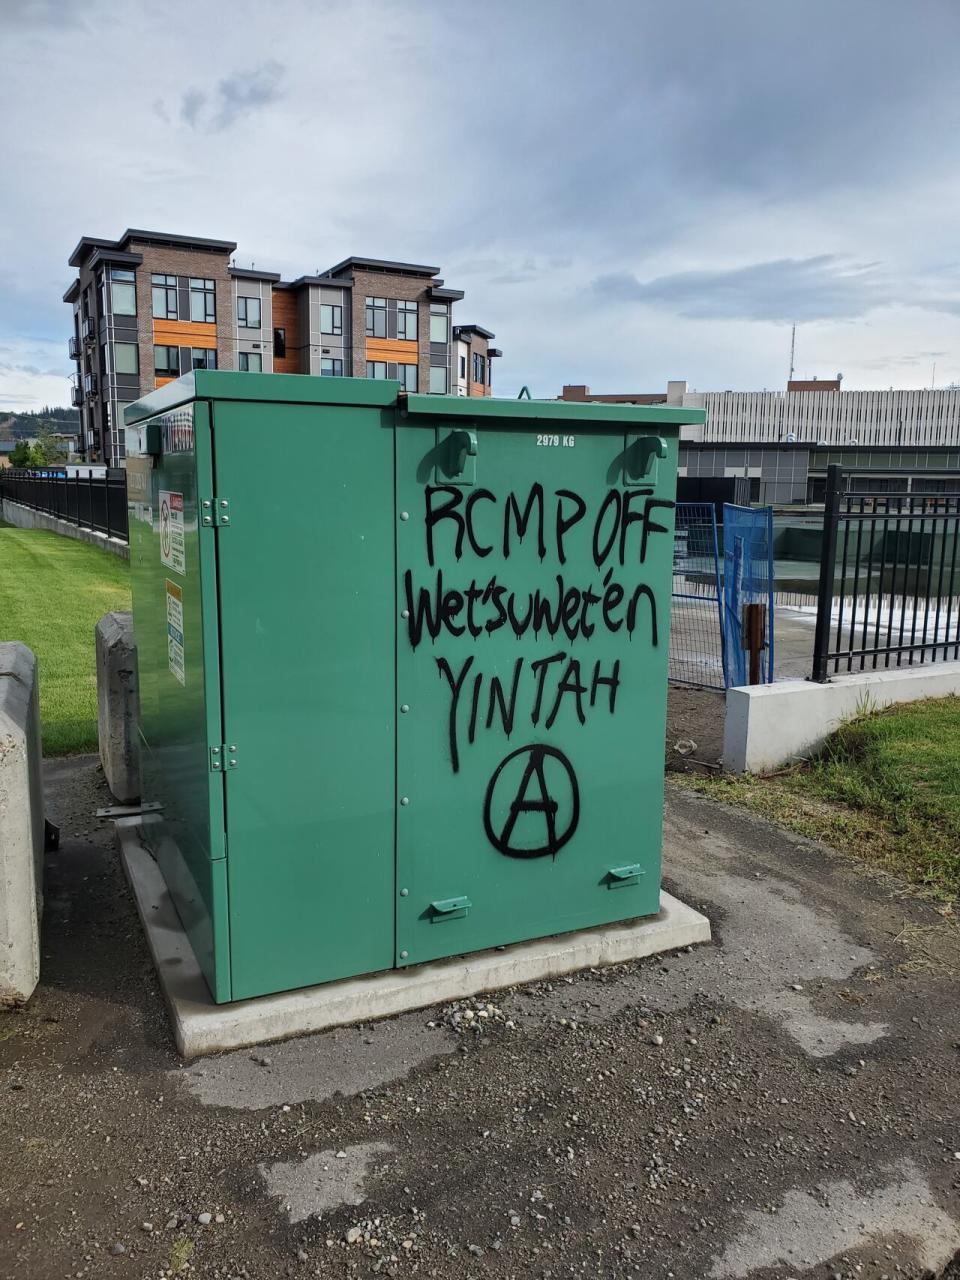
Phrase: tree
(44, 451)
(47, 449)
(22, 455)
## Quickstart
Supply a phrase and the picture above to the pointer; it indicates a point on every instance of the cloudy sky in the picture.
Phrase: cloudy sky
(628, 190)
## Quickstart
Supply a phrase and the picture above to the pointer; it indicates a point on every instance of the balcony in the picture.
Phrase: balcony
(73, 348)
(90, 385)
(76, 397)
(88, 329)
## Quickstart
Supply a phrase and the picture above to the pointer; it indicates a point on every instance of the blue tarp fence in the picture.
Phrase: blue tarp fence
(747, 579)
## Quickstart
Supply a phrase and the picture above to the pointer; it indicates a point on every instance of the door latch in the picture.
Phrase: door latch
(449, 909)
(618, 877)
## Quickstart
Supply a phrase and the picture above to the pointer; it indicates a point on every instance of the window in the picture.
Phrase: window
(123, 292)
(164, 289)
(203, 307)
(331, 319)
(463, 366)
(280, 342)
(126, 357)
(407, 373)
(250, 362)
(204, 357)
(407, 321)
(439, 322)
(166, 362)
(331, 368)
(248, 313)
(438, 380)
(376, 314)
(376, 369)
(479, 368)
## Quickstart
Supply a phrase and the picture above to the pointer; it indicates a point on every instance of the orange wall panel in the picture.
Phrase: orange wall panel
(401, 350)
(286, 316)
(184, 333)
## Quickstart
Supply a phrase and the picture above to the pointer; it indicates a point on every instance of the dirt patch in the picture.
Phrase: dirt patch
(694, 716)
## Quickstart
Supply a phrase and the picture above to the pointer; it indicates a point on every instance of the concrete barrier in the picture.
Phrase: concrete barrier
(769, 725)
(21, 825)
(118, 704)
(26, 518)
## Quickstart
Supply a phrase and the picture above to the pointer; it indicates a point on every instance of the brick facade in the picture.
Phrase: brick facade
(160, 260)
(377, 284)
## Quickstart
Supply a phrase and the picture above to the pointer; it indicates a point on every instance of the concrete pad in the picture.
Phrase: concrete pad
(202, 1027)
(21, 825)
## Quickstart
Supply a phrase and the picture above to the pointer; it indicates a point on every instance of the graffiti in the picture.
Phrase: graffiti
(537, 761)
(612, 524)
(542, 675)
(592, 556)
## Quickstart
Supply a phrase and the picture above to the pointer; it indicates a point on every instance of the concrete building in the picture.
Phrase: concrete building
(783, 442)
(153, 305)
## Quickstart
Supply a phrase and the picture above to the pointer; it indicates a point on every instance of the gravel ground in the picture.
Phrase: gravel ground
(782, 1102)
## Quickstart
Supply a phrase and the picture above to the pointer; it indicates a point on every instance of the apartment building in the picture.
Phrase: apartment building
(152, 306)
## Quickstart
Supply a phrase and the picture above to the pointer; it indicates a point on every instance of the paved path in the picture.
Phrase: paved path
(781, 1103)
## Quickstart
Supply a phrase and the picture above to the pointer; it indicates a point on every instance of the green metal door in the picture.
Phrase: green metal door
(307, 649)
(534, 553)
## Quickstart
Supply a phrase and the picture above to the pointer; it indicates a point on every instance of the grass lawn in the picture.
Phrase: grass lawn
(52, 593)
(885, 788)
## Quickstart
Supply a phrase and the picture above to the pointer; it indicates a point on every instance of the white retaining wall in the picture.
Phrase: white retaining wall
(21, 825)
(26, 518)
(769, 725)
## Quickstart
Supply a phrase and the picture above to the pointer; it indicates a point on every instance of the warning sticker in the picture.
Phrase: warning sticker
(175, 631)
(171, 531)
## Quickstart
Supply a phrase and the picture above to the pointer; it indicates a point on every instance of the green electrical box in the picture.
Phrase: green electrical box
(403, 667)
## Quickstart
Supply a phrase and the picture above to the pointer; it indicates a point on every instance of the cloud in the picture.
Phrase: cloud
(824, 287)
(661, 138)
(191, 106)
(235, 96)
(37, 14)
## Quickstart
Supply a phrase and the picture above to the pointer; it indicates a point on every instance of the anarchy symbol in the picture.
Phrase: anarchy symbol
(533, 795)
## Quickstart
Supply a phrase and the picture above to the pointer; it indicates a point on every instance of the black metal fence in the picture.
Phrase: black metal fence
(889, 592)
(88, 498)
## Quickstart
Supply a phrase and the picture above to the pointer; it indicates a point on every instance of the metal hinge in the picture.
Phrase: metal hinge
(223, 758)
(215, 511)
